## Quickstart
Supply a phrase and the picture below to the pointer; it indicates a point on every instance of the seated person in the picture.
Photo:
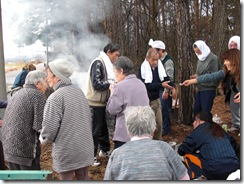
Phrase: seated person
(143, 158)
(209, 150)
(20, 78)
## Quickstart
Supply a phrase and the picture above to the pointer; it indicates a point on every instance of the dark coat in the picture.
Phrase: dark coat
(20, 79)
(3, 104)
(218, 155)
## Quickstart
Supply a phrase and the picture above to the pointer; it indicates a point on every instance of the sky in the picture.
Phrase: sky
(79, 16)
(89, 44)
(9, 7)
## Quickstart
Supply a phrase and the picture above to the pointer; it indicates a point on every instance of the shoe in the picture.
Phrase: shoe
(201, 178)
(96, 163)
(104, 153)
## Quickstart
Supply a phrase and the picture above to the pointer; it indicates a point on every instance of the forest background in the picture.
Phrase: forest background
(80, 29)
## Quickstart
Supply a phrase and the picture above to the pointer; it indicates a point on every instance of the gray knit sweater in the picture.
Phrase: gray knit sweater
(22, 121)
(67, 125)
(145, 159)
(209, 65)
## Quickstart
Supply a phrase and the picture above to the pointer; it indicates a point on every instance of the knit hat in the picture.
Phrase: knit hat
(157, 44)
(61, 68)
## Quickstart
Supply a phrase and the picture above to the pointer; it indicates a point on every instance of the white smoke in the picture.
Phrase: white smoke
(21, 16)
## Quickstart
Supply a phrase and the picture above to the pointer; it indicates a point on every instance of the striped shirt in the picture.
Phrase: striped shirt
(67, 124)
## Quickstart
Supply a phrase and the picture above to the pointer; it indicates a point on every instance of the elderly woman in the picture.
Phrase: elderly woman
(144, 158)
(67, 124)
(128, 91)
(207, 63)
(22, 122)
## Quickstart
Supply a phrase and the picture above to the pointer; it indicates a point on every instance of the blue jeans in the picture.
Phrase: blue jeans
(166, 112)
(204, 101)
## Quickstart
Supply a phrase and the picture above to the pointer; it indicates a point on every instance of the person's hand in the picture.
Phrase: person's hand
(189, 82)
(1, 123)
(173, 93)
(194, 76)
(237, 98)
(111, 88)
(165, 95)
(166, 85)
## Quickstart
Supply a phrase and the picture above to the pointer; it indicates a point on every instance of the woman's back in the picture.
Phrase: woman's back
(217, 155)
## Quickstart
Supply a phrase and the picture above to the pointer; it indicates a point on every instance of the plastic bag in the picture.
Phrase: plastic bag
(217, 119)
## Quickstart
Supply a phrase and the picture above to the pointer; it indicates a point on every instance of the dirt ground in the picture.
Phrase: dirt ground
(179, 132)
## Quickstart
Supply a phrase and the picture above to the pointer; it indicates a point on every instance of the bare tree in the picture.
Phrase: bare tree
(185, 60)
(131, 23)
(218, 24)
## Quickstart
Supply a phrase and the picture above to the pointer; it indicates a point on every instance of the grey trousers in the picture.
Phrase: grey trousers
(35, 165)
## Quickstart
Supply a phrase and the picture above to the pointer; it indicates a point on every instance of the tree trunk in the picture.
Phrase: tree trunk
(219, 21)
(185, 51)
(137, 28)
(164, 21)
(197, 23)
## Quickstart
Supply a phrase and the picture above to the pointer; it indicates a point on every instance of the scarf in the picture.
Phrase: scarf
(146, 71)
(108, 66)
(201, 45)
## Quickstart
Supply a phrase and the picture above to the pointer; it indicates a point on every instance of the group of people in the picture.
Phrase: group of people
(230, 77)
(74, 122)
(208, 151)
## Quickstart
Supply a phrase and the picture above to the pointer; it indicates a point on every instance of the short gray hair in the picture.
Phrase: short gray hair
(140, 120)
(124, 63)
(151, 51)
(35, 76)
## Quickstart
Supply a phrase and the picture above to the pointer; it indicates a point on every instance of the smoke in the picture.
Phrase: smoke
(64, 28)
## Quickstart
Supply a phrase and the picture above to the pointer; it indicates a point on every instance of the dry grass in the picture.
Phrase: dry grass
(13, 66)
(17, 65)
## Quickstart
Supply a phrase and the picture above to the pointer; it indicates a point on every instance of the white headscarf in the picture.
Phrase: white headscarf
(203, 48)
(235, 39)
